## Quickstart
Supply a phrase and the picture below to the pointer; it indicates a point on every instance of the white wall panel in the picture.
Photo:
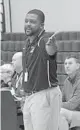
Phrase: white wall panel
(60, 14)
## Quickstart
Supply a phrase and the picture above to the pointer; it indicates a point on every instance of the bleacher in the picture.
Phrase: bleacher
(67, 42)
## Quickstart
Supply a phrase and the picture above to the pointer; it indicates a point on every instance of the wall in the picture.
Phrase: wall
(1, 20)
(60, 14)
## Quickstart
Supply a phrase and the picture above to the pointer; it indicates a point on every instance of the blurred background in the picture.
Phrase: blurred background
(62, 15)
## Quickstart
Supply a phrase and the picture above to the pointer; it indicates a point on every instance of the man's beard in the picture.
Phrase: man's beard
(32, 32)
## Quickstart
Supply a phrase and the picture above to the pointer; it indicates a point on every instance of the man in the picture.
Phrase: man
(42, 104)
(71, 93)
(17, 79)
(6, 71)
(19, 90)
(17, 64)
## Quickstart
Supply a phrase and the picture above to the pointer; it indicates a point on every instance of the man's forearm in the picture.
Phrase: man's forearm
(69, 105)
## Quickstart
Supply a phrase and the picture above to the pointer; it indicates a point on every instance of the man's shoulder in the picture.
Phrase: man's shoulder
(48, 34)
(45, 36)
(66, 81)
(78, 84)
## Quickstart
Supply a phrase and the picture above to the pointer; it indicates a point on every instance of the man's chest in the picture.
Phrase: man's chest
(71, 90)
(68, 91)
(33, 55)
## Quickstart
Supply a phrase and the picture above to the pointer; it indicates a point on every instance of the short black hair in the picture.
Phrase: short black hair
(73, 56)
(39, 13)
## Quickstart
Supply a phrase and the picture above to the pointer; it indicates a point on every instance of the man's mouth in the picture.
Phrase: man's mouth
(28, 29)
(68, 70)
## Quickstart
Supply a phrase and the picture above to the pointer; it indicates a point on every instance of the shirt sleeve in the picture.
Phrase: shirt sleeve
(65, 86)
(74, 102)
(51, 46)
(43, 47)
(63, 94)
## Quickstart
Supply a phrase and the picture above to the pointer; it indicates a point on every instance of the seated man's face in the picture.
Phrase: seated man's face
(6, 72)
(17, 63)
(71, 66)
(5, 76)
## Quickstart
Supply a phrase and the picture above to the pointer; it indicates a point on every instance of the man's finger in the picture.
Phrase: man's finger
(57, 32)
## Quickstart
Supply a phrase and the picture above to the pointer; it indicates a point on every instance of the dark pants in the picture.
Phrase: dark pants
(8, 112)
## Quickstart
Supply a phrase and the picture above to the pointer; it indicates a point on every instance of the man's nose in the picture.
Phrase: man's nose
(67, 65)
(28, 22)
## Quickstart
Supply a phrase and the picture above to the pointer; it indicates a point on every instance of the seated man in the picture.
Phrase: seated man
(6, 72)
(17, 79)
(70, 111)
(17, 65)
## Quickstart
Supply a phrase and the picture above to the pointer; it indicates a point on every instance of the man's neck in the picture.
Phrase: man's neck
(31, 38)
(74, 75)
(19, 71)
(34, 36)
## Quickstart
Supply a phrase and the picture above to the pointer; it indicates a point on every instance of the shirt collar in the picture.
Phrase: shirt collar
(74, 77)
(19, 73)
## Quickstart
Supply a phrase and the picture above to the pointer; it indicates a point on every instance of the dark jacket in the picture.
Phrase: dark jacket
(8, 110)
(71, 92)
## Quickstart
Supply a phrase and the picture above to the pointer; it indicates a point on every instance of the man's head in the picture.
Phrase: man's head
(6, 72)
(17, 61)
(34, 22)
(71, 64)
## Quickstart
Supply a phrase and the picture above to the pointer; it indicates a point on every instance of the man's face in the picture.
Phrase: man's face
(32, 24)
(71, 66)
(17, 63)
(6, 74)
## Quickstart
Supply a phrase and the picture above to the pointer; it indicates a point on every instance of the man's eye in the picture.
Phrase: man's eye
(26, 21)
(33, 21)
(30, 21)
(65, 63)
(70, 63)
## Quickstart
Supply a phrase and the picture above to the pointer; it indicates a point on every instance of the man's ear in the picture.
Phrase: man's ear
(24, 29)
(78, 65)
(42, 25)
